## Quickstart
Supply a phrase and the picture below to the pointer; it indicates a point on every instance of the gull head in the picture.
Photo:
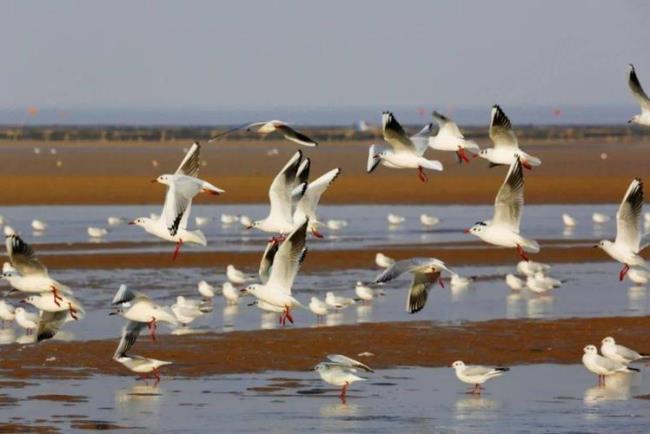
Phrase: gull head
(382, 154)
(254, 224)
(162, 179)
(477, 229)
(485, 153)
(458, 364)
(590, 349)
(140, 221)
(603, 244)
(320, 367)
(253, 289)
(636, 119)
(608, 341)
(31, 299)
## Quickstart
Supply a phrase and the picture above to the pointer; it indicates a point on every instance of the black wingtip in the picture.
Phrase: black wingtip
(634, 369)
(502, 369)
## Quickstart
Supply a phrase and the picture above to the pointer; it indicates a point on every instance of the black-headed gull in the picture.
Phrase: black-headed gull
(230, 293)
(318, 307)
(602, 366)
(395, 219)
(336, 224)
(186, 310)
(142, 365)
(30, 274)
(627, 245)
(506, 146)
(383, 261)
(115, 221)
(460, 282)
(515, 283)
(7, 312)
(429, 220)
(286, 262)
(26, 320)
(620, 353)
(449, 138)
(503, 229)
(39, 225)
(236, 276)
(365, 293)
(338, 301)
(426, 272)
(599, 218)
(306, 206)
(97, 233)
(476, 374)
(139, 311)
(530, 268)
(340, 370)
(53, 313)
(281, 195)
(205, 289)
(540, 283)
(266, 127)
(568, 220)
(406, 152)
(641, 97)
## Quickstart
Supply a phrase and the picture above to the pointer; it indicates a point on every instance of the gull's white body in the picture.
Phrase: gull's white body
(186, 310)
(34, 284)
(39, 225)
(144, 311)
(459, 282)
(237, 276)
(95, 232)
(205, 289)
(7, 311)
(26, 320)
(336, 225)
(515, 283)
(383, 261)
(338, 302)
(429, 220)
(568, 220)
(619, 353)
(158, 229)
(530, 268)
(600, 365)
(318, 307)
(474, 374)
(395, 219)
(364, 292)
(230, 293)
(141, 365)
(600, 218)
(45, 302)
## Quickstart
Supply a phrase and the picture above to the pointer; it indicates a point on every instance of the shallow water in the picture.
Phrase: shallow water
(533, 398)
(589, 290)
(367, 227)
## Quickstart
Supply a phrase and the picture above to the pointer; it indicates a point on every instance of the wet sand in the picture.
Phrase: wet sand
(420, 343)
(119, 172)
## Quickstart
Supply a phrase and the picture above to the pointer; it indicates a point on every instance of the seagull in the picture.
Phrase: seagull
(383, 261)
(27, 320)
(337, 301)
(186, 310)
(638, 276)
(568, 220)
(205, 289)
(115, 221)
(406, 152)
(7, 312)
(429, 220)
(237, 276)
(364, 292)
(503, 229)
(395, 219)
(8, 231)
(530, 268)
(600, 218)
(506, 146)
(539, 283)
(459, 282)
(426, 272)
(475, 374)
(515, 283)
(228, 219)
(30, 274)
(340, 370)
(65, 303)
(449, 138)
(140, 311)
(266, 127)
(230, 293)
(318, 307)
(202, 221)
(39, 225)
(95, 232)
(276, 291)
(602, 366)
(641, 97)
(306, 207)
(142, 365)
(627, 245)
(619, 353)
(281, 193)
(336, 225)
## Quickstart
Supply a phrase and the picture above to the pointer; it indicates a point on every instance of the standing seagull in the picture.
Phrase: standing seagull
(620, 353)
(602, 366)
(142, 365)
(406, 152)
(627, 245)
(449, 138)
(266, 127)
(641, 97)
(426, 272)
(29, 274)
(276, 291)
(475, 374)
(340, 370)
(506, 146)
(503, 229)
(280, 218)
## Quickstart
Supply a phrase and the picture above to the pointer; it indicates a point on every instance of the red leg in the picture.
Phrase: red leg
(522, 253)
(623, 272)
(462, 156)
(73, 312)
(55, 294)
(152, 329)
(317, 234)
(526, 164)
(287, 314)
(177, 249)
(344, 391)
(441, 282)
(422, 175)
(156, 376)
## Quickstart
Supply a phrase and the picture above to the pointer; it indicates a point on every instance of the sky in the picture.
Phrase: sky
(222, 55)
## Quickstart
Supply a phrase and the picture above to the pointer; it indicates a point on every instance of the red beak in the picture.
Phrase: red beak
(154, 180)
(466, 231)
(132, 222)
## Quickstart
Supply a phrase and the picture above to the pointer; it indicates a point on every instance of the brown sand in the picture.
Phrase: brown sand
(119, 172)
(421, 343)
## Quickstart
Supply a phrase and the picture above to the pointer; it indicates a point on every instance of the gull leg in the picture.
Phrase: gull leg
(156, 376)
(177, 249)
(73, 312)
(317, 234)
(441, 282)
(152, 329)
(423, 176)
(55, 294)
(462, 156)
(344, 391)
(623, 272)
(526, 164)
(287, 314)
(522, 253)
(604, 380)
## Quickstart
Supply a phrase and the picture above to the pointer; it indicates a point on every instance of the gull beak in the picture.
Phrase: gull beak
(466, 231)
(112, 313)
(595, 246)
(249, 227)
(132, 222)
(22, 301)
(154, 180)
(242, 290)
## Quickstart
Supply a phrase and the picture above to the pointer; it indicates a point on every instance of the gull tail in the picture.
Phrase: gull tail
(200, 238)
(431, 164)
(373, 160)
(530, 246)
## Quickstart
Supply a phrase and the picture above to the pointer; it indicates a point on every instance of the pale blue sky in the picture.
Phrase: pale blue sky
(335, 53)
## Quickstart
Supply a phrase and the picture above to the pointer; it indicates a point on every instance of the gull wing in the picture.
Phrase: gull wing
(501, 132)
(190, 164)
(509, 202)
(421, 139)
(628, 217)
(419, 290)
(476, 370)
(176, 204)
(130, 333)
(125, 295)
(395, 135)
(637, 90)
(281, 189)
(309, 201)
(288, 258)
(22, 257)
(411, 265)
(295, 136)
(49, 324)
(446, 127)
(266, 263)
(342, 360)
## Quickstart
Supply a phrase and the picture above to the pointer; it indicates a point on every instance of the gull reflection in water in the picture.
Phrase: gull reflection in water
(617, 388)
(334, 318)
(139, 401)
(229, 314)
(337, 410)
(515, 305)
(26, 339)
(364, 313)
(476, 408)
(568, 231)
(539, 306)
(269, 320)
(636, 298)
(7, 336)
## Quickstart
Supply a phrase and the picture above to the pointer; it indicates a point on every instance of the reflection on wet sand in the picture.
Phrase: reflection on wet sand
(617, 387)
(514, 305)
(7, 336)
(334, 319)
(229, 313)
(268, 320)
(540, 306)
(476, 408)
(364, 313)
(636, 297)
(139, 402)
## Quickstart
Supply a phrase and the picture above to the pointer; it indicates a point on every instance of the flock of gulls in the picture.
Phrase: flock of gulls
(292, 219)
